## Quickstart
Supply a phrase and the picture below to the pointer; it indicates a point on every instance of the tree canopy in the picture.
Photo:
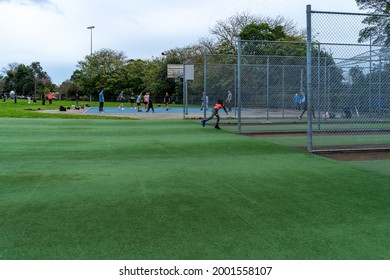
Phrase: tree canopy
(378, 29)
(26, 80)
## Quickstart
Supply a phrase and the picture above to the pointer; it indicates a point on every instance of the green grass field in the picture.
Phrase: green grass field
(128, 189)
(22, 109)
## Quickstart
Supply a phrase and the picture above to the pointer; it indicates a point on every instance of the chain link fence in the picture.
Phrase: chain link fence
(213, 80)
(272, 84)
(337, 90)
(349, 84)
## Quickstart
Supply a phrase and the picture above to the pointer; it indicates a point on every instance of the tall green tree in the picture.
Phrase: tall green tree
(27, 80)
(378, 29)
(1, 83)
(156, 81)
(69, 89)
(265, 32)
(131, 77)
(225, 32)
(99, 71)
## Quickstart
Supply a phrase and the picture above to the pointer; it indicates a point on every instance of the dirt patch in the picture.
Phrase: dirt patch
(337, 155)
(361, 155)
(277, 134)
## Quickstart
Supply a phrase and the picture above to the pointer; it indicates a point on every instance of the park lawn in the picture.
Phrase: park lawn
(382, 165)
(22, 109)
(125, 189)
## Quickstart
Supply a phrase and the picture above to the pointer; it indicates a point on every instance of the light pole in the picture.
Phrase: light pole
(91, 27)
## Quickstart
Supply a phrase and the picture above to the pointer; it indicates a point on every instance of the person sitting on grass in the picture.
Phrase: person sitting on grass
(214, 113)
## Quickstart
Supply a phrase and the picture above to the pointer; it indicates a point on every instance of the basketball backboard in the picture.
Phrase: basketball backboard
(174, 71)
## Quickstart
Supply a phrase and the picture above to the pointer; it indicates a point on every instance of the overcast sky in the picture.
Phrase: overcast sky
(54, 32)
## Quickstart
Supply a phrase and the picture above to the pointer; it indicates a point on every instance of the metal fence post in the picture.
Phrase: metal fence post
(267, 88)
(283, 90)
(319, 87)
(309, 79)
(204, 83)
(184, 91)
(239, 85)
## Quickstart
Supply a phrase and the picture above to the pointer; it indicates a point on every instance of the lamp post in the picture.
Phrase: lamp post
(91, 27)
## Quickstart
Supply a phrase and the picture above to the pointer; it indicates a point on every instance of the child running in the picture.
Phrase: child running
(214, 113)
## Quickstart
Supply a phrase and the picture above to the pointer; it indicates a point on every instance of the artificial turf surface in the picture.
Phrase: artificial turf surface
(123, 189)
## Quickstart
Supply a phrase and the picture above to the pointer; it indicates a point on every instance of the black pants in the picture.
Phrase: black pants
(101, 104)
(305, 109)
(214, 113)
(150, 106)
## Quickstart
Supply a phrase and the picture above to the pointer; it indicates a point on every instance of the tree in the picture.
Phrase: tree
(189, 54)
(1, 83)
(155, 80)
(131, 76)
(378, 29)
(69, 89)
(27, 80)
(99, 71)
(227, 31)
(264, 32)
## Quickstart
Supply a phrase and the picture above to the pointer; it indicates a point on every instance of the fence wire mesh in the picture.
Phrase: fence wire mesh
(272, 76)
(349, 85)
(213, 81)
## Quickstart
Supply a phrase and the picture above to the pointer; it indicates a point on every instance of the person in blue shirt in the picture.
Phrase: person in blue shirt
(297, 102)
(101, 101)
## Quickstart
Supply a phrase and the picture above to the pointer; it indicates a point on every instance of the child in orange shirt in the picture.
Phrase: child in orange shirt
(214, 113)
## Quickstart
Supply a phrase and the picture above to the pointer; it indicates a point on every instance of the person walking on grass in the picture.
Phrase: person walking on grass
(50, 98)
(43, 98)
(218, 106)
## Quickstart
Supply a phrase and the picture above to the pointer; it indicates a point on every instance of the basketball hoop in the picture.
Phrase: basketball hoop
(174, 71)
